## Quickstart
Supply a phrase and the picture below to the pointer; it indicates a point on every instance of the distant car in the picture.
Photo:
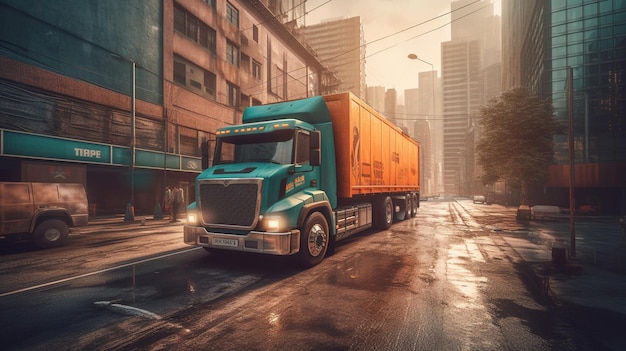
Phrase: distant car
(479, 199)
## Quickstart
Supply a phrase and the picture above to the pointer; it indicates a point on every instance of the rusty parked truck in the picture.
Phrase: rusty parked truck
(41, 212)
(297, 176)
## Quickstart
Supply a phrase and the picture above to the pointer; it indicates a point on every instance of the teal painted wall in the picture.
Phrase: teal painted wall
(77, 38)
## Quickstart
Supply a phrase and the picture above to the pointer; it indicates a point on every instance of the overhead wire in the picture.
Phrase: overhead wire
(388, 36)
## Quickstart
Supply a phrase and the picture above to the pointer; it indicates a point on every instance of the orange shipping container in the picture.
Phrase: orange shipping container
(372, 155)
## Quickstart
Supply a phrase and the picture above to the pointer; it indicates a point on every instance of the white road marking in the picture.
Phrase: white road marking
(14, 292)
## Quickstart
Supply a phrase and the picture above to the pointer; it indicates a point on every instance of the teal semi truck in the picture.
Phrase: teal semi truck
(297, 176)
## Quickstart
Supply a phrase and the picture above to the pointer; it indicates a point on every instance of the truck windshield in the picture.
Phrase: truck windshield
(275, 147)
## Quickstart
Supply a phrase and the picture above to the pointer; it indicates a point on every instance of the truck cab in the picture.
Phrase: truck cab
(252, 198)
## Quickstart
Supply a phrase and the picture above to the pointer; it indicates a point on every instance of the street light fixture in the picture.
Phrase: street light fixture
(432, 68)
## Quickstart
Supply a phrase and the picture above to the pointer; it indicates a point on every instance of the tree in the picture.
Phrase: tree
(516, 141)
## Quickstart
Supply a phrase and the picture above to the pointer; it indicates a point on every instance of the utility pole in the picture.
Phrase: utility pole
(572, 199)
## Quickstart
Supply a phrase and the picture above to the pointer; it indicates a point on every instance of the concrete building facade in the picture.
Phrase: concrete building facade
(120, 96)
(340, 46)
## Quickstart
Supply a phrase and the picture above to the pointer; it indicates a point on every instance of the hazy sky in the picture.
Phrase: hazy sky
(387, 63)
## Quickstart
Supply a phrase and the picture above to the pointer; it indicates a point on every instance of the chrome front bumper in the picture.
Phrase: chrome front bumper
(287, 243)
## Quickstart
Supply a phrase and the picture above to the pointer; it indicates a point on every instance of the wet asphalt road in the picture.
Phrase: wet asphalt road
(444, 280)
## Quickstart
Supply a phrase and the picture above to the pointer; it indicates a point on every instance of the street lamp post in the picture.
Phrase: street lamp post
(432, 75)
(130, 216)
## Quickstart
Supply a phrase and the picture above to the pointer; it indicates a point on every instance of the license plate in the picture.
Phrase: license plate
(225, 242)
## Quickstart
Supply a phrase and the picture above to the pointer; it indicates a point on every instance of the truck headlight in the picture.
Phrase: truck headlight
(192, 219)
(273, 223)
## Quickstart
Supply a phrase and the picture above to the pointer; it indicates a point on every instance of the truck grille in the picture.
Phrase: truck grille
(230, 203)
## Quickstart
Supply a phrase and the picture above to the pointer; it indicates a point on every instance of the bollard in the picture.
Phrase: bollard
(523, 213)
(158, 213)
(130, 213)
(143, 220)
(559, 252)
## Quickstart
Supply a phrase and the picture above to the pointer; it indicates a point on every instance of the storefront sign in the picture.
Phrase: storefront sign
(53, 148)
(23, 144)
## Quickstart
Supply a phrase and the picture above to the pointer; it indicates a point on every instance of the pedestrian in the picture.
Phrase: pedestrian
(167, 201)
(178, 201)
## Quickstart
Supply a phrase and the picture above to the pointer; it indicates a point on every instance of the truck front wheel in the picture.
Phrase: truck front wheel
(51, 233)
(314, 240)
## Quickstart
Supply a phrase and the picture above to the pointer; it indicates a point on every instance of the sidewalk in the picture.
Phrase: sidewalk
(105, 223)
(595, 277)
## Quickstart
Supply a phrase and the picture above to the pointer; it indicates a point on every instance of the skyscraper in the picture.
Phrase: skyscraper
(461, 83)
(340, 46)
(475, 45)
(543, 40)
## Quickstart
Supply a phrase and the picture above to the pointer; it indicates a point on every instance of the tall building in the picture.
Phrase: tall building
(422, 133)
(391, 101)
(426, 126)
(474, 47)
(376, 98)
(543, 40)
(121, 96)
(340, 46)
(430, 108)
(461, 85)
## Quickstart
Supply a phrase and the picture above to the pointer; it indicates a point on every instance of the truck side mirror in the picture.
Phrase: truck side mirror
(206, 151)
(316, 152)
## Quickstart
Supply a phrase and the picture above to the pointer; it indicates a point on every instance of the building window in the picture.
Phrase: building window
(256, 102)
(189, 144)
(277, 81)
(210, 3)
(255, 33)
(256, 69)
(194, 29)
(210, 83)
(179, 73)
(194, 77)
(245, 63)
(232, 14)
(245, 101)
(233, 95)
(232, 53)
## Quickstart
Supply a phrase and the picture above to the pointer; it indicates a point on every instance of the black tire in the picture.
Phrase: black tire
(403, 212)
(383, 213)
(409, 206)
(416, 204)
(314, 240)
(51, 233)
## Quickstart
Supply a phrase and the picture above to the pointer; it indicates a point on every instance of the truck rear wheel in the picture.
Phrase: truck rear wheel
(314, 240)
(409, 206)
(416, 204)
(51, 233)
(383, 213)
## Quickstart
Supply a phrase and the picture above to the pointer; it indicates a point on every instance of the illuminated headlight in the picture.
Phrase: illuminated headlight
(273, 223)
(192, 219)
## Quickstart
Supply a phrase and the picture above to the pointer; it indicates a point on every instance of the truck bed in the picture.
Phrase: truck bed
(372, 154)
